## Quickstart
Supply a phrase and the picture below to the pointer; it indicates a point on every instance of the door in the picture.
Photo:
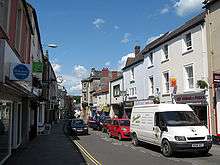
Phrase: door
(147, 125)
(157, 133)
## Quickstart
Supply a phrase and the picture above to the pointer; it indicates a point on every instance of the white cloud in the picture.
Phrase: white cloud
(183, 7)
(122, 61)
(116, 27)
(108, 63)
(149, 40)
(98, 22)
(165, 10)
(125, 39)
(80, 72)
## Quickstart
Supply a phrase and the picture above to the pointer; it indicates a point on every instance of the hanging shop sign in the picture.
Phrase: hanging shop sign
(37, 67)
(20, 72)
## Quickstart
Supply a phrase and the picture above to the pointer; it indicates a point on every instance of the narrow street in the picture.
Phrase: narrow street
(109, 151)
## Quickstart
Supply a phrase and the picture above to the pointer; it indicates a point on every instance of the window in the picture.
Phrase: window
(18, 29)
(116, 90)
(188, 41)
(165, 49)
(150, 57)
(189, 76)
(84, 85)
(132, 91)
(166, 82)
(151, 86)
(4, 14)
(132, 73)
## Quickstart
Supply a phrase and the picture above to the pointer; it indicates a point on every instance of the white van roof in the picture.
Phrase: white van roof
(165, 107)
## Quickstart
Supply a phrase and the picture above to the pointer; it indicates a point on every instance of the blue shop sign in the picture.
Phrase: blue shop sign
(21, 72)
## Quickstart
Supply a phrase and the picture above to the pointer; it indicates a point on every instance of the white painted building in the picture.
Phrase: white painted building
(116, 99)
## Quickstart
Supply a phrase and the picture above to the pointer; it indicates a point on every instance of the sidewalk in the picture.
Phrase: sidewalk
(54, 149)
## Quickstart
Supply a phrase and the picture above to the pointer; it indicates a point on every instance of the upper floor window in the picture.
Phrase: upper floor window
(188, 41)
(189, 77)
(150, 59)
(166, 84)
(4, 14)
(116, 90)
(165, 50)
(151, 85)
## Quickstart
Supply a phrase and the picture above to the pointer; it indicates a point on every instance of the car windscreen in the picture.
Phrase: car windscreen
(78, 122)
(124, 122)
(180, 118)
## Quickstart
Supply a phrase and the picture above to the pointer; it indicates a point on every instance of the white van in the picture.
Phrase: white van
(173, 127)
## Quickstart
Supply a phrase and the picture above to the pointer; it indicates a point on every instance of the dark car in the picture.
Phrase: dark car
(78, 127)
(94, 123)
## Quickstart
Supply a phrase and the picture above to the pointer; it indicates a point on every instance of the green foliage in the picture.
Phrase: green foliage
(202, 84)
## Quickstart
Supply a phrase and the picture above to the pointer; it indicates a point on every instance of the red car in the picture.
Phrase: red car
(119, 128)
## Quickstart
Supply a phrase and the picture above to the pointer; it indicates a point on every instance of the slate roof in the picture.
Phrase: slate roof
(164, 38)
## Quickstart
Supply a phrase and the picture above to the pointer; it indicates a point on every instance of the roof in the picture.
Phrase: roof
(164, 38)
(117, 78)
(170, 35)
(208, 2)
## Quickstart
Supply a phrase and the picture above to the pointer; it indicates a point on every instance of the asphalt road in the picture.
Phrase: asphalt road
(98, 148)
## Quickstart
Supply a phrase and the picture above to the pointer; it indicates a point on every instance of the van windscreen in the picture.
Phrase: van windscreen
(180, 118)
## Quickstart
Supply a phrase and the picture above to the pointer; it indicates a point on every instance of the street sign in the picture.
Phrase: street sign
(20, 72)
(37, 67)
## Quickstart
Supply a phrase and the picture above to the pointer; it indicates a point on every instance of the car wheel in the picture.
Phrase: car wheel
(119, 137)
(166, 148)
(134, 140)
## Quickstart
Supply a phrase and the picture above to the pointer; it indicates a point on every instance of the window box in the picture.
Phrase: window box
(164, 61)
(150, 67)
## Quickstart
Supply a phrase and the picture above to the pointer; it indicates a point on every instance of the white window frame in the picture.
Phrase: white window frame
(166, 89)
(186, 78)
(185, 42)
(151, 85)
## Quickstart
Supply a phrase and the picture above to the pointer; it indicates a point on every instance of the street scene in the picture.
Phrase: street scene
(109, 83)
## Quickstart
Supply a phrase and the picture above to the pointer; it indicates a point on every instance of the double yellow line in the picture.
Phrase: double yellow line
(86, 153)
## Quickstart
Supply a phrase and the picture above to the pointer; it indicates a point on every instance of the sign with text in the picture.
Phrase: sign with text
(20, 72)
(190, 98)
(37, 67)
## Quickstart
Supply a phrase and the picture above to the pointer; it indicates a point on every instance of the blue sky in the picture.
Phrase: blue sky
(98, 33)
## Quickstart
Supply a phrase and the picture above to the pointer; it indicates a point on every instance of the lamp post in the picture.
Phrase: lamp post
(48, 77)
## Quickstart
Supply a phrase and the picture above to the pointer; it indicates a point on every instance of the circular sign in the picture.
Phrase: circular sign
(21, 72)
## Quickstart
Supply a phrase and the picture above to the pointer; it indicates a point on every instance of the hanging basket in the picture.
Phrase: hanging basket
(202, 84)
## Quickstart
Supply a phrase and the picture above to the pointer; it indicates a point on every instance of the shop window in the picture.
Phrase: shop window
(5, 115)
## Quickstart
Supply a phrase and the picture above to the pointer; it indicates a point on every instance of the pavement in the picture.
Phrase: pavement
(53, 149)
(110, 151)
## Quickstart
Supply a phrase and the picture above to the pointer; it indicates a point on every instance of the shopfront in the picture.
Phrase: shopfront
(128, 105)
(197, 101)
(5, 129)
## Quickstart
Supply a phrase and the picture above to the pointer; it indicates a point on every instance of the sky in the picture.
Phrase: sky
(103, 33)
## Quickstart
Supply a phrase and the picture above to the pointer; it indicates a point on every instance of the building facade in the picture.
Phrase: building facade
(213, 39)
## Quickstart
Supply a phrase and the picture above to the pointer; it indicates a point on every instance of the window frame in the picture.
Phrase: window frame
(150, 59)
(188, 47)
(151, 85)
(166, 82)
(189, 86)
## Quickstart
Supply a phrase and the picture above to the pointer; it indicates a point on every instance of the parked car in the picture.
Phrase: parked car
(93, 123)
(105, 123)
(173, 127)
(119, 128)
(79, 127)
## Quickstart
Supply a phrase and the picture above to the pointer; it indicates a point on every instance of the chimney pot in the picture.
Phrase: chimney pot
(137, 50)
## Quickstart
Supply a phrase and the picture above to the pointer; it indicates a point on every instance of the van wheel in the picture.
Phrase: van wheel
(166, 148)
(134, 140)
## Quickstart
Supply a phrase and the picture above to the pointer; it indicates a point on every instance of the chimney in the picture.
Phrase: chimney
(105, 72)
(137, 50)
